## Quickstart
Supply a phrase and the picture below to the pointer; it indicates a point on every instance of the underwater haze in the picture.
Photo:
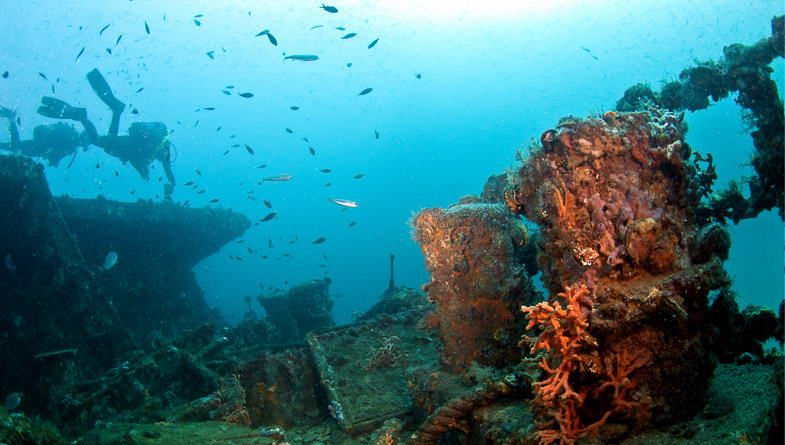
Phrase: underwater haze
(457, 88)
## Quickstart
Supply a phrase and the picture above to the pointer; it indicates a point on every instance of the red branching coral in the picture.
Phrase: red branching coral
(572, 351)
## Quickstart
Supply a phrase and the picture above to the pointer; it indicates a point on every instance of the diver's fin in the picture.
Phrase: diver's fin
(104, 92)
(58, 109)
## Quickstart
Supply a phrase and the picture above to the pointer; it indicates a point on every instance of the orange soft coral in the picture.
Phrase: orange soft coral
(570, 349)
(565, 338)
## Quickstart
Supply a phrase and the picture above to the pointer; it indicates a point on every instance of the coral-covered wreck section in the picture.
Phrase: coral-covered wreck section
(478, 282)
(623, 337)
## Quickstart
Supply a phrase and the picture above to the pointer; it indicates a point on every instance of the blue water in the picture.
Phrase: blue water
(494, 75)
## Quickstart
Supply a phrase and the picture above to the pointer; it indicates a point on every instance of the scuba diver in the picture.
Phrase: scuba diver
(52, 142)
(146, 141)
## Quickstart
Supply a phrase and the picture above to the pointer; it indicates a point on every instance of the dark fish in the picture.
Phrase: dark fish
(209, 108)
(109, 51)
(80, 54)
(319, 240)
(585, 49)
(269, 242)
(325, 170)
(328, 184)
(219, 128)
(43, 76)
(269, 217)
(214, 200)
(262, 33)
(261, 166)
(293, 107)
(376, 133)
(250, 251)
(198, 16)
(349, 36)
(198, 172)
(365, 91)
(246, 95)
(349, 65)
(53, 89)
(289, 130)
(316, 26)
(340, 28)
(135, 111)
(312, 151)
(226, 92)
(189, 183)
(140, 90)
(418, 76)
(229, 87)
(116, 173)
(248, 149)
(306, 140)
(226, 152)
(372, 44)
(117, 42)
(146, 27)
(359, 176)
(5, 74)
(201, 192)
(330, 9)
(197, 22)
(594, 57)
(272, 39)
(104, 29)
(235, 145)
(267, 204)
(211, 54)
(352, 224)
(302, 57)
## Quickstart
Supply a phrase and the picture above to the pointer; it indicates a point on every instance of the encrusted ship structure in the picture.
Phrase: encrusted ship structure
(634, 336)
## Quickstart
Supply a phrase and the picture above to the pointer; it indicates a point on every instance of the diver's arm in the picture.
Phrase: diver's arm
(169, 187)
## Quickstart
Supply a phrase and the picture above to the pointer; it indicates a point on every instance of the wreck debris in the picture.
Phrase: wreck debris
(363, 368)
(478, 282)
(304, 308)
(610, 196)
(51, 300)
(454, 413)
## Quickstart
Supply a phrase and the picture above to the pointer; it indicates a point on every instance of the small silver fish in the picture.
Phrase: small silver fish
(13, 401)
(111, 260)
(279, 178)
(344, 202)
